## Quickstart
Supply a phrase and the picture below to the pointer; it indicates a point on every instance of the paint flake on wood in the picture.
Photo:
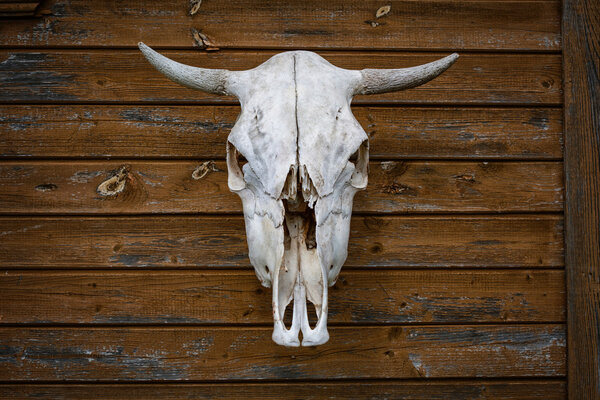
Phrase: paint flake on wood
(472, 25)
(450, 129)
(201, 132)
(193, 187)
(192, 297)
(174, 354)
(375, 241)
(58, 76)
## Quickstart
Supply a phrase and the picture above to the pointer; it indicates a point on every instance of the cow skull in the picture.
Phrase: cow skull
(306, 158)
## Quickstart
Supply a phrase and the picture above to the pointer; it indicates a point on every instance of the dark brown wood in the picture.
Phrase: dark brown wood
(201, 132)
(180, 353)
(538, 389)
(164, 298)
(172, 187)
(581, 31)
(499, 25)
(122, 76)
(418, 241)
(23, 8)
(189, 297)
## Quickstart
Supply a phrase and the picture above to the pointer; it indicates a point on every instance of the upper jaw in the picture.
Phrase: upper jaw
(301, 278)
(297, 243)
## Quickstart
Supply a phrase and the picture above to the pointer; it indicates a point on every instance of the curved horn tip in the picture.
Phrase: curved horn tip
(453, 57)
(376, 81)
(144, 47)
(146, 50)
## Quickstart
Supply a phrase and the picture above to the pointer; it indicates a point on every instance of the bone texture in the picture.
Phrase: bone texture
(208, 80)
(305, 157)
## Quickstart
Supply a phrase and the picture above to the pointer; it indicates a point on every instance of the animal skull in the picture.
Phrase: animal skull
(306, 158)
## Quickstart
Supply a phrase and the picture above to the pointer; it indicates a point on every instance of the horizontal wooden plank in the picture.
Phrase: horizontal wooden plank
(462, 241)
(180, 353)
(438, 296)
(175, 187)
(538, 389)
(201, 132)
(10, 9)
(120, 76)
(497, 25)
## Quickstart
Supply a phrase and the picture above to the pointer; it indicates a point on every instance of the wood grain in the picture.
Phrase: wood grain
(582, 212)
(124, 76)
(94, 294)
(201, 297)
(179, 353)
(172, 187)
(23, 8)
(498, 25)
(539, 389)
(201, 132)
(419, 241)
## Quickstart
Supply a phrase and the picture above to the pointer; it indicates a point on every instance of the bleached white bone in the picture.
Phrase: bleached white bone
(299, 138)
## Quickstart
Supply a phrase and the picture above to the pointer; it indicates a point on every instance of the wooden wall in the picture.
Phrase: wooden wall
(454, 283)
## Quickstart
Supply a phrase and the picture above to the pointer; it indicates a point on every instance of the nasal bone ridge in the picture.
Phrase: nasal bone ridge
(300, 323)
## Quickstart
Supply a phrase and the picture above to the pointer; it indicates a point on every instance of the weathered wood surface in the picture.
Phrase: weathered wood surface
(582, 168)
(179, 187)
(225, 297)
(201, 132)
(499, 25)
(538, 389)
(417, 241)
(180, 353)
(22, 8)
(126, 77)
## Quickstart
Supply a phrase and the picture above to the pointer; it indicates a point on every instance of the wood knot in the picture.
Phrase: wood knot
(395, 333)
(115, 184)
(376, 248)
(204, 169)
(195, 6)
(203, 41)
(394, 168)
(46, 187)
(465, 178)
(399, 188)
(383, 11)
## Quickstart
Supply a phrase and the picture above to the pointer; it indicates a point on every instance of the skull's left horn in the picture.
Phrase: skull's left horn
(375, 81)
(208, 80)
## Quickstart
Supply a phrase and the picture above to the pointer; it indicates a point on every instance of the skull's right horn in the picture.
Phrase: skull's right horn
(375, 81)
(214, 81)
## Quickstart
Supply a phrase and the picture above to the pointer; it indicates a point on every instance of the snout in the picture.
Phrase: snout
(300, 278)
(300, 323)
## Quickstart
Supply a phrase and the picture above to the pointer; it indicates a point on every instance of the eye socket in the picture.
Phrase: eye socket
(235, 176)
(361, 165)
(267, 269)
